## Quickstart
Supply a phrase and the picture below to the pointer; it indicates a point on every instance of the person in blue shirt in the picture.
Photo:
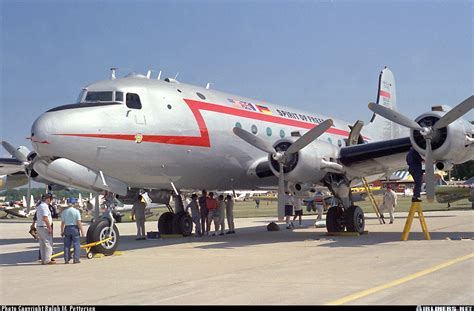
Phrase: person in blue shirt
(414, 168)
(71, 230)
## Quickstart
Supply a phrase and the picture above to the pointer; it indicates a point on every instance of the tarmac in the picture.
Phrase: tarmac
(253, 267)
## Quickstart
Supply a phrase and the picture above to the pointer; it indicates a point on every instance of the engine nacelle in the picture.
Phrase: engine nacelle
(448, 144)
(309, 165)
(73, 175)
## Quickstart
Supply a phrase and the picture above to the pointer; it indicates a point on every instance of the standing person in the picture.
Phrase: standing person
(320, 204)
(257, 203)
(204, 212)
(138, 212)
(229, 211)
(54, 215)
(298, 210)
(288, 199)
(195, 214)
(71, 230)
(221, 205)
(213, 213)
(414, 168)
(389, 203)
(45, 229)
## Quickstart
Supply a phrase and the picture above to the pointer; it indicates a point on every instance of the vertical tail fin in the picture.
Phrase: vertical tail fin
(380, 127)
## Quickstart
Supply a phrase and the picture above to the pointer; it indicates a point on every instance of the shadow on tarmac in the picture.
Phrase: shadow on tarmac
(244, 237)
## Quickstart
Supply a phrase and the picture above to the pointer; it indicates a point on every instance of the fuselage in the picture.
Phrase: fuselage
(152, 132)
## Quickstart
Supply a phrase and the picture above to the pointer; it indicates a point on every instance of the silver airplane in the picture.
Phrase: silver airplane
(132, 133)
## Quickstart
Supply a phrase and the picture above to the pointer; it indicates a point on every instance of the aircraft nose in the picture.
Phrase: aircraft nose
(40, 133)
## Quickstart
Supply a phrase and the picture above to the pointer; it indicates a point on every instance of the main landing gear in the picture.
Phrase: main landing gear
(344, 215)
(175, 221)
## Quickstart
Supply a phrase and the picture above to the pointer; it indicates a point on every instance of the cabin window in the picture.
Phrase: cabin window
(238, 125)
(282, 133)
(330, 140)
(133, 101)
(201, 96)
(254, 129)
(269, 131)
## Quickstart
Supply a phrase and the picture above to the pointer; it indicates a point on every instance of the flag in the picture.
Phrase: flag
(263, 109)
(242, 104)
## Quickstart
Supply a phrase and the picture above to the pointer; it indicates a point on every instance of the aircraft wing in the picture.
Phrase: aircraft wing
(375, 158)
(10, 166)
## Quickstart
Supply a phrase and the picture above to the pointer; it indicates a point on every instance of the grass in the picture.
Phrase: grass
(247, 209)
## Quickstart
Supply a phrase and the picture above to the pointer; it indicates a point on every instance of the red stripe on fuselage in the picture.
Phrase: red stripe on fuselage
(203, 140)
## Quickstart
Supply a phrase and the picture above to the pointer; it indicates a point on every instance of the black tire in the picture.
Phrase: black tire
(101, 232)
(90, 231)
(182, 224)
(165, 223)
(186, 225)
(335, 219)
(354, 219)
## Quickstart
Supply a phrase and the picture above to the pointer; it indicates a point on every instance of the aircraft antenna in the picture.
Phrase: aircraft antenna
(208, 85)
(159, 75)
(177, 74)
(112, 76)
(148, 74)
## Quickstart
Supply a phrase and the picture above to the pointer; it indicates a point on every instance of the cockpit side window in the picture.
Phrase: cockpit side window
(99, 97)
(118, 96)
(133, 101)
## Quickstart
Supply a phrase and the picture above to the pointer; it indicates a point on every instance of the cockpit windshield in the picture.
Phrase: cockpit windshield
(94, 99)
(99, 97)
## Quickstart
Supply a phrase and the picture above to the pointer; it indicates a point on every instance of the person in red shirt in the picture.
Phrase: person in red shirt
(213, 212)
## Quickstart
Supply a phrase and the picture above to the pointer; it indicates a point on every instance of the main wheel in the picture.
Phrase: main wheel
(354, 219)
(182, 224)
(335, 219)
(185, 224)
(165, 223)
(100, 232)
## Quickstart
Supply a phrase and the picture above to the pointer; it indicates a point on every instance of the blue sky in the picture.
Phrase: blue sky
(321, 56)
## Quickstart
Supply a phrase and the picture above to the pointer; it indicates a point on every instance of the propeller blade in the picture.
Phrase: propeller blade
(394, 116)
(429, 172)
(28, 201)
(281, 188)
(310, 136)
(14, 152)
(455, 113)
(253, 140)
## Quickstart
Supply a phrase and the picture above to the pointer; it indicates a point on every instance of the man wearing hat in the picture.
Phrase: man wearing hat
(44, 225)
(389, 203)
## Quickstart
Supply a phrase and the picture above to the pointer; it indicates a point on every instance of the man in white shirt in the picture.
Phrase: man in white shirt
(298, 210)
(389, 203)
(45, 230)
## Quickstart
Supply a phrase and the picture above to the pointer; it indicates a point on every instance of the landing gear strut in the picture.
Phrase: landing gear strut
(345, 214)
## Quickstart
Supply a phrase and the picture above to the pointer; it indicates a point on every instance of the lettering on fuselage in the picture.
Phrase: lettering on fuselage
(299, 116)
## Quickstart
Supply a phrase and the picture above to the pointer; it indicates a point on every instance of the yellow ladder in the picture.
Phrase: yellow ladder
(415, 207)
(372, 198)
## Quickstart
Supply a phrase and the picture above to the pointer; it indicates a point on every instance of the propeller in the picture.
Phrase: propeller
(427, 132)
(15, 152)
(19, 154)
(283, 156)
